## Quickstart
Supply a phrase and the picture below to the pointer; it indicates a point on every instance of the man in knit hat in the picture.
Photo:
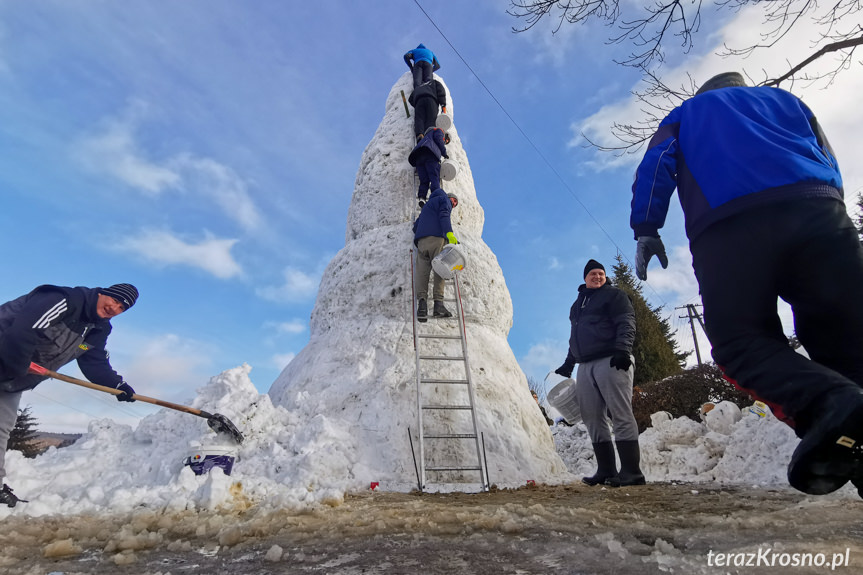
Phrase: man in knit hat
(600, 342)
(763, 204)
(51, 326)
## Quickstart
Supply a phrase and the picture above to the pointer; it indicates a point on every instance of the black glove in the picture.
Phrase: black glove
(647, 247)
(565, 370)
(127, 392)
(621, 360)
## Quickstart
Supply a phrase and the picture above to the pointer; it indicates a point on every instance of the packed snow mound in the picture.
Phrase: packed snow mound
(359, 367)
(113, 468)
(731, 447)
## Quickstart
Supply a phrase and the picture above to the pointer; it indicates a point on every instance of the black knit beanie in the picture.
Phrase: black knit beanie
(592, 265)
(126, 294)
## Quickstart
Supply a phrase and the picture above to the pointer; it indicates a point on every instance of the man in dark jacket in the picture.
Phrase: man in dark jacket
(432, 230)
(603, 330)
(763, 203)
(51, 326)
(422, 63)
(426, 158)
(425, 99)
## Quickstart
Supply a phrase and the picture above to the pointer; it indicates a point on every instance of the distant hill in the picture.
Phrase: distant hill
(44, 440)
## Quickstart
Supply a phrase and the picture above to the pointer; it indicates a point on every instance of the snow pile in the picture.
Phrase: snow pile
(113, 467)
(730, 447)
(358, 370)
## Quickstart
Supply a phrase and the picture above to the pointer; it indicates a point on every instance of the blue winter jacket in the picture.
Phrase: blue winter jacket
(728, 150)
(421, 54)
(429, 149)
(51, 326)
(434, 219)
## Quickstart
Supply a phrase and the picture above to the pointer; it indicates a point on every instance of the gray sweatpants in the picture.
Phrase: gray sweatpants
(603, 391)
(427, 248)
(8, 416)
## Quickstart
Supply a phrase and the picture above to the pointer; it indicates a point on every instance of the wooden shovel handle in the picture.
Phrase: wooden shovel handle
(39, 370)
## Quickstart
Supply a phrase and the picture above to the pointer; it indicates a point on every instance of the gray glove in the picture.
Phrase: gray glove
(648, 246)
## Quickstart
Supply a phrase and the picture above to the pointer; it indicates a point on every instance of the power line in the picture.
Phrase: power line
(536, 149)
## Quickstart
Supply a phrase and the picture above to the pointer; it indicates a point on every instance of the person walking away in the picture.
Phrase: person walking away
(51, 326)
(422, 63)
(600, 341)
(426, 158)
(426, 99)
(763, 206)
(432, 230)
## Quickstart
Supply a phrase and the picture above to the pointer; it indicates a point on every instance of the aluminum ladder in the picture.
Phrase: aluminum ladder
(434, 407)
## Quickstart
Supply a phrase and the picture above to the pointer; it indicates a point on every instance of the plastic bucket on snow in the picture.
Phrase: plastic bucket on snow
(444, 121)
(202, 460)
(562, 398)
(448, 170)
(448, 261)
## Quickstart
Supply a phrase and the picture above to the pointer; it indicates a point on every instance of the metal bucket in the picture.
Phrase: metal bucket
(448, 261)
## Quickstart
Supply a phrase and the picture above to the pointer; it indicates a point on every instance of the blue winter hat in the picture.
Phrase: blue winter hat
(126, 294)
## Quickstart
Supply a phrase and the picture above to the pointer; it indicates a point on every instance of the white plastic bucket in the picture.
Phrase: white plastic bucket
(448, 261)
(444, 121)
(562, 398)
(203, 459)
(448, 170)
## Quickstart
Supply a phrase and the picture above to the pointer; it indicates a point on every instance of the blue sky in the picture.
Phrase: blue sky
(206, 152)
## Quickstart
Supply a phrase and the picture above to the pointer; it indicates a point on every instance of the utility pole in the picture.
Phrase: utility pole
(692, 313)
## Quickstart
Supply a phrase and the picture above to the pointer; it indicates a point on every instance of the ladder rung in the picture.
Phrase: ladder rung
(459, 381)
(450, 436)
(443, 357)
(429, 336)
(453, 468)
(447, 407)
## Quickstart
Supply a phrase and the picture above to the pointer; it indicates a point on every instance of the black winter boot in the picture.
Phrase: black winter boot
(440, 310)
(606, 467)
(630, 459)
(422, 311)
(9, 498)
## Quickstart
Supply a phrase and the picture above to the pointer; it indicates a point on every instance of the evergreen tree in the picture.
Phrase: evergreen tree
(22, 435)
(859, 218)
(655, 351)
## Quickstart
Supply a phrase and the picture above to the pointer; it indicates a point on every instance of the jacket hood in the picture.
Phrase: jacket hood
(422, 46)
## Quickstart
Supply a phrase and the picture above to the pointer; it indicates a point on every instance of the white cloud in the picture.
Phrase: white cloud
(554, 264)
(213, 255)
(544, 356)
(115, 152)
(837, 106)
(293, 327)
(281, 360)
(209, 178)
(298, 286)
(677, 279)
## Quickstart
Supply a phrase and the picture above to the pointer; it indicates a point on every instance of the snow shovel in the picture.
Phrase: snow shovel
(217, 422)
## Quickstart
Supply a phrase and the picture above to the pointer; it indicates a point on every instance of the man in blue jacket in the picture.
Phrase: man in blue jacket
(763, 204)
(432, 231)
(426, 158)
(51, 326)
(600, 342)
(422, 63)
